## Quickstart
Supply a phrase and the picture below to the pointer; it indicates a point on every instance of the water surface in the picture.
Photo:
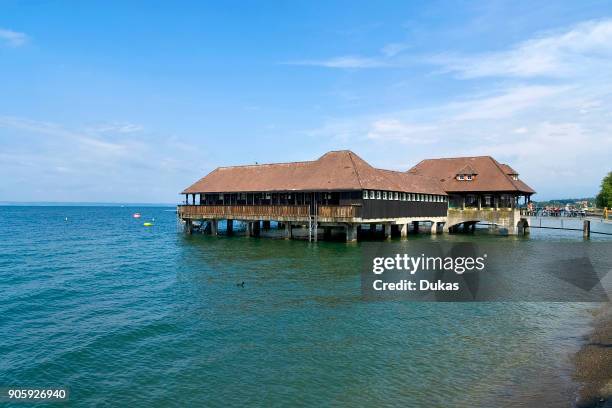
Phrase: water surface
(127, 315)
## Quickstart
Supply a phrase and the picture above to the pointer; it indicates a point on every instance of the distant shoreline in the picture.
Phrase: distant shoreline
(80, 204)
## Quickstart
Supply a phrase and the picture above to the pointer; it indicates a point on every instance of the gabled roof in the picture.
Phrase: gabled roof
(492, 176)
(334, 171)
(508, 170)
(467, 169)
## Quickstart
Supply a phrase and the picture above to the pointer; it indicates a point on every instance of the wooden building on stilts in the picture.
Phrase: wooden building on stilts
(337, 194)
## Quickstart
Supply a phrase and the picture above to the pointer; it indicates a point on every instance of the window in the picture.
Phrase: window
(395, 196)
(460, 177)
(403, 196)
(365, 194)
(515, 177)
(384, 195)
(378, 195)
(372, 194)
(468, 177)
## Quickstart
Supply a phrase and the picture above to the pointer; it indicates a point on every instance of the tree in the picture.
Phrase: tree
(604, 198)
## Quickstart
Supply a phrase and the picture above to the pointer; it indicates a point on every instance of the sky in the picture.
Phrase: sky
(108, 101)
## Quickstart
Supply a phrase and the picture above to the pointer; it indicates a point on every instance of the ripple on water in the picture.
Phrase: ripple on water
(148, 317)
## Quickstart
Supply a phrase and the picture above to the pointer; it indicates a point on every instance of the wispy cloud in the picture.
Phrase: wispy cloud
(392, 49)
(504, 104)
(348, 61)
(12, 38)
(115, 127)
(558, 54)
(397, 130)
(537, 128)
(81, 139)
(542, 104)
(59, 162)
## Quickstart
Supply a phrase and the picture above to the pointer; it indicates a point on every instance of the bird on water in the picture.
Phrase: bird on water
(240, 284)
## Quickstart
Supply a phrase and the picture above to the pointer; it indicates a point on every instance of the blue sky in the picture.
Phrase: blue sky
(133, 101)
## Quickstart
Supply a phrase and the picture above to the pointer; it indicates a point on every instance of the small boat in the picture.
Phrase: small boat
(148, 224)
(136, 215)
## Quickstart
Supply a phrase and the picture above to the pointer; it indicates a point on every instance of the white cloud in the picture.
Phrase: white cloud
(115, 127)
(79, 164)
(348, 61)
(12, 38)
(505, 104)
(537, 129)
(393, 49)
(585, 46)
(396, 130)
(79, 139)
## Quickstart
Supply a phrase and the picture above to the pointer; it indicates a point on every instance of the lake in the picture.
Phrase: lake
(126, 315)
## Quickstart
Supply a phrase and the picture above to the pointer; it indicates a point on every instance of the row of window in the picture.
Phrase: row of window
(394, 195)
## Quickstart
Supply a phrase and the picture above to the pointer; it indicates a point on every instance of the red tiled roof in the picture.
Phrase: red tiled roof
(467, 169)
(507, 169)
(334, 171)
(491, 175)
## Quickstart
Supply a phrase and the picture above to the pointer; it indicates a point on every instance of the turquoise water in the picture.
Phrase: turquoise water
(133, 316)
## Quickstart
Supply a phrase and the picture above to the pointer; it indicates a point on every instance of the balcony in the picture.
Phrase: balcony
(267, 212)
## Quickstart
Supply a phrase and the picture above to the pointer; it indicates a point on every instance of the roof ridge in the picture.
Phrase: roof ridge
(455, 158)
(497, 164)
(350, 155)
(265, 164)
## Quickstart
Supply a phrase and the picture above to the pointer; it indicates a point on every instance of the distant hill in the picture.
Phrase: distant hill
(562, 201)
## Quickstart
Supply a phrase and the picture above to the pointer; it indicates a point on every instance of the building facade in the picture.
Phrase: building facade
(479, 189)
(340, 192)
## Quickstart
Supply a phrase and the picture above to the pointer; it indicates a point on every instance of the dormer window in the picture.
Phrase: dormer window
(465, 177)
(466, 173)
(514, 177)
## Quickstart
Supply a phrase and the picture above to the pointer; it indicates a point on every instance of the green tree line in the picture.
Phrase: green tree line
(604, 198)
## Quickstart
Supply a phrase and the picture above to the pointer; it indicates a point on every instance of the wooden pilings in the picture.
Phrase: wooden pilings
(387, 227)
(351, 232)
(586, 229)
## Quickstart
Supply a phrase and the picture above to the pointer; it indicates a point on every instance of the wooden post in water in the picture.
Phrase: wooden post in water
(586, 229)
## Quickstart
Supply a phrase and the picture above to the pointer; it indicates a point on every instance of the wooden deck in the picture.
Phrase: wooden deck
(267, 212)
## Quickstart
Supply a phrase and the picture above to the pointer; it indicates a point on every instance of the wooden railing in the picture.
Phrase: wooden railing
(266, 211)
(337, 211)
(236, 211)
